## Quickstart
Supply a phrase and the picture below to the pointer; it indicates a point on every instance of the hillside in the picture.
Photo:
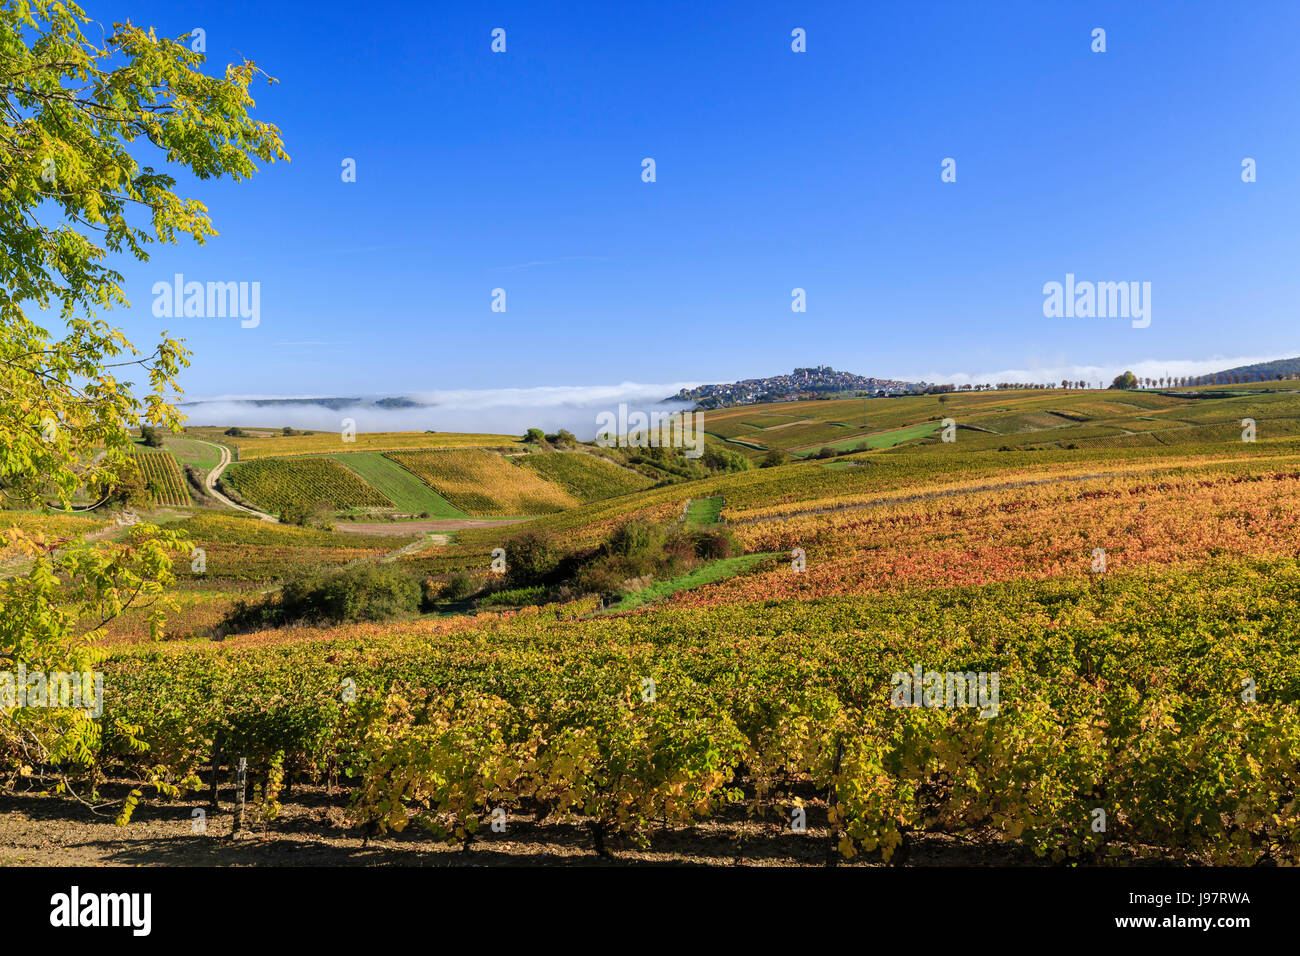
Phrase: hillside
(1286, 368)
(1133, 541)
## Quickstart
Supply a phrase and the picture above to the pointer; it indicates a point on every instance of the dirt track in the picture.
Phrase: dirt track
(405, 529)
(210, 482)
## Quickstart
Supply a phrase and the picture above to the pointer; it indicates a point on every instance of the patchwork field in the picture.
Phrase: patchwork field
(407, 492)
(885, 439)
(484, 484)
(1123, 563)
(273, 445)
(275, 484)
(585, 477)
(1046, 416)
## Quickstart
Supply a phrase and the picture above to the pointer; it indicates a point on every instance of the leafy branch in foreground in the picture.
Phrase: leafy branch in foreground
(77, 119)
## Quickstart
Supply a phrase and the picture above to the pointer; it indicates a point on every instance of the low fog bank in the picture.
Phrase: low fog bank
(507, 411)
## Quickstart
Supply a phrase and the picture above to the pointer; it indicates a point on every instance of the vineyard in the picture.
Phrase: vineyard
(586, 477)
(323, 443)
(991, 420)
(407, 492)
(276, 484)
(242, 549)
(1135, 603)
(52, 524)
(162, 474)
(1123, 696)
(45, 528)
(484, 484)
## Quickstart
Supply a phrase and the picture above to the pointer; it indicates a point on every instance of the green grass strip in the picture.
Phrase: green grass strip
(705, 574)
(407, 492)
(704, 510)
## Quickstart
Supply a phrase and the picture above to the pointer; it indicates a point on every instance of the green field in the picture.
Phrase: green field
(878, 440)
(704, 510)
(403, 489)
(188, 451)
(706, 574)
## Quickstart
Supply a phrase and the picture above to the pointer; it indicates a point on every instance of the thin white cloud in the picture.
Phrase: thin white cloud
(551, 262)
(312, 343)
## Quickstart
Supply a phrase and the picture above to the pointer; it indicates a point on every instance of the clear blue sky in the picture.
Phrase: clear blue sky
(775, 170)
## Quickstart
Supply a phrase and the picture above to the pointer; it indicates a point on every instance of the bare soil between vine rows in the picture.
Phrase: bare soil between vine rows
(43, 830)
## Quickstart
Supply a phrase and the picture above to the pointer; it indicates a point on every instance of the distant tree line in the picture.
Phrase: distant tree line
(1126, 380)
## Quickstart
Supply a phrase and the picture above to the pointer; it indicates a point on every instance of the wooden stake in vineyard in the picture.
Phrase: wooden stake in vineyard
(213, 798)
(241, 776)
(832, 844)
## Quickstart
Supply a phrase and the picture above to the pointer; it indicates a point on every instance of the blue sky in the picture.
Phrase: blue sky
(775, 170)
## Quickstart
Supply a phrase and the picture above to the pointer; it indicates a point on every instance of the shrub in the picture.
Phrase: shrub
(364, 592)
(458, 586)
(315, 515)
(519, 597)
(602, 579)
(718, 459)
(633, 539)
(151, 436)
(131, 489)
(712, 544)
(561, 439)
(531, 558)
(774, 457)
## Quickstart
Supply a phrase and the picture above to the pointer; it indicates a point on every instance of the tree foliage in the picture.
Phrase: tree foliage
(79, 122)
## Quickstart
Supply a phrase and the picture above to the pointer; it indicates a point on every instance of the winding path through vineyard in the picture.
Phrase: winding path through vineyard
(210, 482)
